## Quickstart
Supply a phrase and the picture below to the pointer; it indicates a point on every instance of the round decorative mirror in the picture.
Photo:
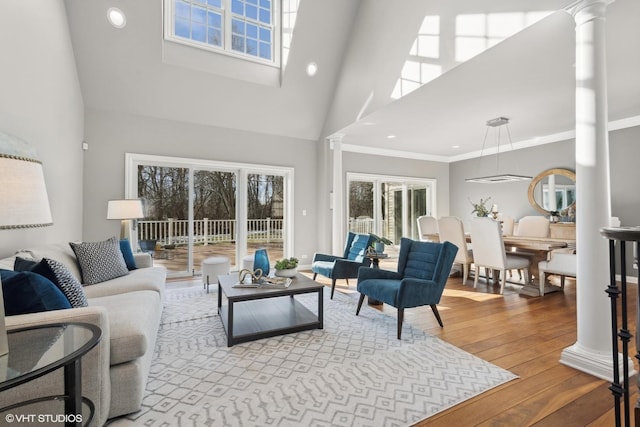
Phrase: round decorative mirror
(553, 190)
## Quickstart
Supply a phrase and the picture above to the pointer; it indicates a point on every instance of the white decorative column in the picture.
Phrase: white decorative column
(592, 352)
(337, 244)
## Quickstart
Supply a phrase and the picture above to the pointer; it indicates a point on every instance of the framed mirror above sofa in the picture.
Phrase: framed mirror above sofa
(559, 182)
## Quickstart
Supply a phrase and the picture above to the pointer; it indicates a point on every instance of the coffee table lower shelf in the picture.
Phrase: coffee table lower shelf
(264, 318)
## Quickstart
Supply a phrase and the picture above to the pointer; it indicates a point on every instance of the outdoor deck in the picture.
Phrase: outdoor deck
(175, 260)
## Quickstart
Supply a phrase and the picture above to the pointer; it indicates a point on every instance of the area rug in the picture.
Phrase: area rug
(354, 372)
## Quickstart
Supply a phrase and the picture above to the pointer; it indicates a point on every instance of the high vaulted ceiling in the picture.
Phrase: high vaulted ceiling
(360, 47)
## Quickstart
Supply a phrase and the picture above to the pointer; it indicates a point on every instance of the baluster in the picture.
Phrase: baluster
(620, 385)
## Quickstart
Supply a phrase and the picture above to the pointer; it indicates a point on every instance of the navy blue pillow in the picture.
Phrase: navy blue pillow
(59, 275)
(27, 292)
(127, 254)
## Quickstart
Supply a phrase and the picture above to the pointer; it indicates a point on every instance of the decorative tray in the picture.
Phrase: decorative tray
(267, 282)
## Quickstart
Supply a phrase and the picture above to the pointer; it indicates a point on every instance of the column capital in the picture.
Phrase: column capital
(335, 140)
(588, 10)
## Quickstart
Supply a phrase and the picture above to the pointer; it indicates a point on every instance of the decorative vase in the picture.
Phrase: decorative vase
(261, 261)
(287, 272)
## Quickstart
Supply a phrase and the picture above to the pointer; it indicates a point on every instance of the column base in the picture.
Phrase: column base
(596, 364)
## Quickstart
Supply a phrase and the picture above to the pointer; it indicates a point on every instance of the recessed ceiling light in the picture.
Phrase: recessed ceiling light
(455, 146)
(312, 69)
(390, 136)
(116, 17)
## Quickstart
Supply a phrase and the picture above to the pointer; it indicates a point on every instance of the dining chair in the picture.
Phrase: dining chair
(532, 226)
(489, 252)
(507, 225)
(427, 225)
(451, 229)
(561, 264)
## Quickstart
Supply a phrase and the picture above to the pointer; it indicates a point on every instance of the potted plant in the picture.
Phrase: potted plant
(480, 208)
(379, 242)
(286, 267)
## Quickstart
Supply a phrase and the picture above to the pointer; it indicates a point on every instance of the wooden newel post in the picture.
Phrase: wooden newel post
(620, 383)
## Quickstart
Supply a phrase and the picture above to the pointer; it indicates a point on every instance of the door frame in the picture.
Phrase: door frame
(133, 160)
(429, 183)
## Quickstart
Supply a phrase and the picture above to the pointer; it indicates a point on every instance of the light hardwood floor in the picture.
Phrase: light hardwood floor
(526, 336)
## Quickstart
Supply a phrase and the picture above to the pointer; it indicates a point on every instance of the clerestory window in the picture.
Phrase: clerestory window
(237, 27)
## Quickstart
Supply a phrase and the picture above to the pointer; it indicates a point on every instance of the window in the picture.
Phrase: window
(244, 27)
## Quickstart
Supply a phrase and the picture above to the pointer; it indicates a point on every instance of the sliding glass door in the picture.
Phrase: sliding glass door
(197, 209)
(388, 206)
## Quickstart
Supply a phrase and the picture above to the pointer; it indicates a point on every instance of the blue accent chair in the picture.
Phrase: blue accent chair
(346, 266)
(423, 270)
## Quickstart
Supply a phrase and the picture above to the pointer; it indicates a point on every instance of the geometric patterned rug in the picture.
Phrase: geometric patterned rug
(354, 372)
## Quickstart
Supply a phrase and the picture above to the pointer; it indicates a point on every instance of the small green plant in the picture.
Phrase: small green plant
(379, 239)
(480, 208)
(286, 263)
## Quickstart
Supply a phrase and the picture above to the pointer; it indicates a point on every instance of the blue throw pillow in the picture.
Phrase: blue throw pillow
(59, 274)
(28, 292)
(127, 253)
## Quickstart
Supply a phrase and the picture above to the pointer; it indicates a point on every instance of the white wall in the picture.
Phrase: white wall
(511, 197)
(41, 102)
(111, 135)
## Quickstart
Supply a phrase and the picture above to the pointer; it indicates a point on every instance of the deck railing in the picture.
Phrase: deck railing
(361, 225)
(205, 231)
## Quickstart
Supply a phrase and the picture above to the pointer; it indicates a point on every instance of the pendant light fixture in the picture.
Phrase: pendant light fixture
(496, 124)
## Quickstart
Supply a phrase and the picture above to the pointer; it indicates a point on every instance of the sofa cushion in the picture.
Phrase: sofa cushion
(28, 292)
(59, 275)
(141, 279)
(100, 261)
(127, 254)
(133, 323)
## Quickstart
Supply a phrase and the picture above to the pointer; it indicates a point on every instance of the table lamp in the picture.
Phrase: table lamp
(25, 203)
(125, 210)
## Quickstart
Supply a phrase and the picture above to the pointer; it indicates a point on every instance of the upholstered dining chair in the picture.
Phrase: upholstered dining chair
(427, 225)
(533, 226)
(489, 252)
(560, 264)
(451, 229)
(423, 270)
(507, 225)
(345, 266)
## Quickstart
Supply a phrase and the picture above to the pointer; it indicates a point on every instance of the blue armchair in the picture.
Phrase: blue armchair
(346, 266)
(423, 270)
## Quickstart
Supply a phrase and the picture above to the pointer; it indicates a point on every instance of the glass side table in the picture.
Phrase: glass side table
(39, 350)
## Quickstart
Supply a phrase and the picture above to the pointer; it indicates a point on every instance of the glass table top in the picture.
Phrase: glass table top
(38, 350)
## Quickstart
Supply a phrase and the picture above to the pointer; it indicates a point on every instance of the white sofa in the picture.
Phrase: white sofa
(128, 310)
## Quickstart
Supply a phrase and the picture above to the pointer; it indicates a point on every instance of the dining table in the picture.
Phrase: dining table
(537, 249)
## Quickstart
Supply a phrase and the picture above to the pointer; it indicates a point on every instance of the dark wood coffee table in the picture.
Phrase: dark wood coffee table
(255, 313)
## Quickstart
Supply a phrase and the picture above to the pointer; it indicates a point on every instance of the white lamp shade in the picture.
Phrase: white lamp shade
(125, 209)
(23, 192)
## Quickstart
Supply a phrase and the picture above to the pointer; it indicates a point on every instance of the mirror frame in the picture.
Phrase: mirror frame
(535, 181)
